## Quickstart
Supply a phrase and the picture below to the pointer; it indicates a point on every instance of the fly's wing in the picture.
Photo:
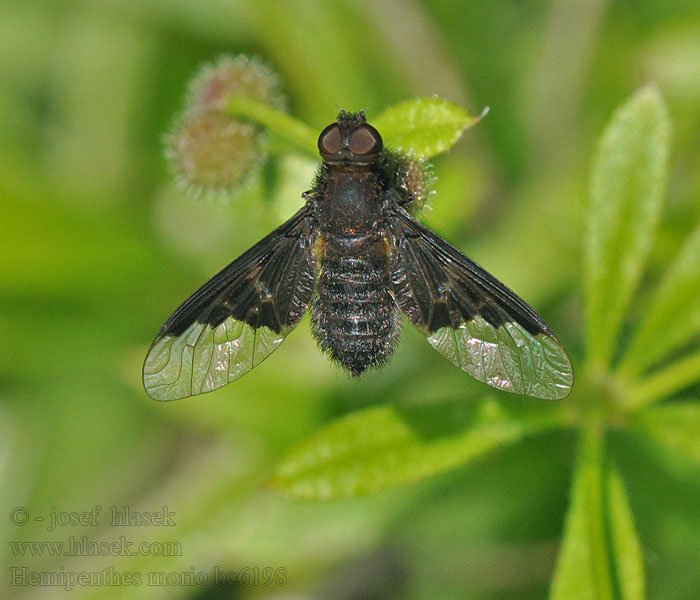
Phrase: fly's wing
(236, 319)
(471, 318)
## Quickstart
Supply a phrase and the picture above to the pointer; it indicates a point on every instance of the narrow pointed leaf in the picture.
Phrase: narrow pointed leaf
(381, 447)
(423, 126)
(673, 317)
(583, 568)
(628, 180)
(627, 551)
(600, 557)
(675, 426)
(665, 382)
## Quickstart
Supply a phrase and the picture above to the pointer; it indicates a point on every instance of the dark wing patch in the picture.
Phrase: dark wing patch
(236, 319)
(471, 318)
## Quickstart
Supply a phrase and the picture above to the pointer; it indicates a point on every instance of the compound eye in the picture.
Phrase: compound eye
(330, 141)
(365, 140)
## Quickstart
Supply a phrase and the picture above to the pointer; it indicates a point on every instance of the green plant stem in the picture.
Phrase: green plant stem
(281, 124)
(665, 382)
(592, 457)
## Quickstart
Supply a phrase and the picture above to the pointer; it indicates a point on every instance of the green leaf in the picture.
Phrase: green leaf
(381, 447)
(424, 126)
(627, 551)
(664, 382)
(628, 180)
(675, 426)
(600, 557)
(583, 568)
(673, 317)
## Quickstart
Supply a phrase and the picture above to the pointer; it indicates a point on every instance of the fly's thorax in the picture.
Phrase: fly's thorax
(349, 202)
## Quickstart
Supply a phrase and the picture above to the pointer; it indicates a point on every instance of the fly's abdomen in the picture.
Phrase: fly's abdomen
(354, 317)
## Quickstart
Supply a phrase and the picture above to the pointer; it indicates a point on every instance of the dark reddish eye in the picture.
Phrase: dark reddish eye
(365, 140)
(330, 141)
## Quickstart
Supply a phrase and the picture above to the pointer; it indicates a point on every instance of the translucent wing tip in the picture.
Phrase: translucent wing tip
(205, 358)
(508, 358)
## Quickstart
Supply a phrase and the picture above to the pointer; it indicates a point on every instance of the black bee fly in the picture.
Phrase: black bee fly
(356, 257)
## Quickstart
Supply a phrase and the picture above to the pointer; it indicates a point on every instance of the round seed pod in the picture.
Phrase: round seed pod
(210, 150)
(413, 176)
(229, 76)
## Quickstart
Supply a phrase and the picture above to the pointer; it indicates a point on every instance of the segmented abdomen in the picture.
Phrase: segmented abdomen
(354, 318)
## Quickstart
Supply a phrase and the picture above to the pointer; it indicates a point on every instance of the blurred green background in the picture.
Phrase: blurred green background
(98, 247)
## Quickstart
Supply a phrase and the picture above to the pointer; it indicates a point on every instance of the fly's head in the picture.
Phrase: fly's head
(351, 142)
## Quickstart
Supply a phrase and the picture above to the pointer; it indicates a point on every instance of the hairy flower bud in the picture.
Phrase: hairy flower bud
(231, 76)
(414, 177)
(418, 181)
(210, 149)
